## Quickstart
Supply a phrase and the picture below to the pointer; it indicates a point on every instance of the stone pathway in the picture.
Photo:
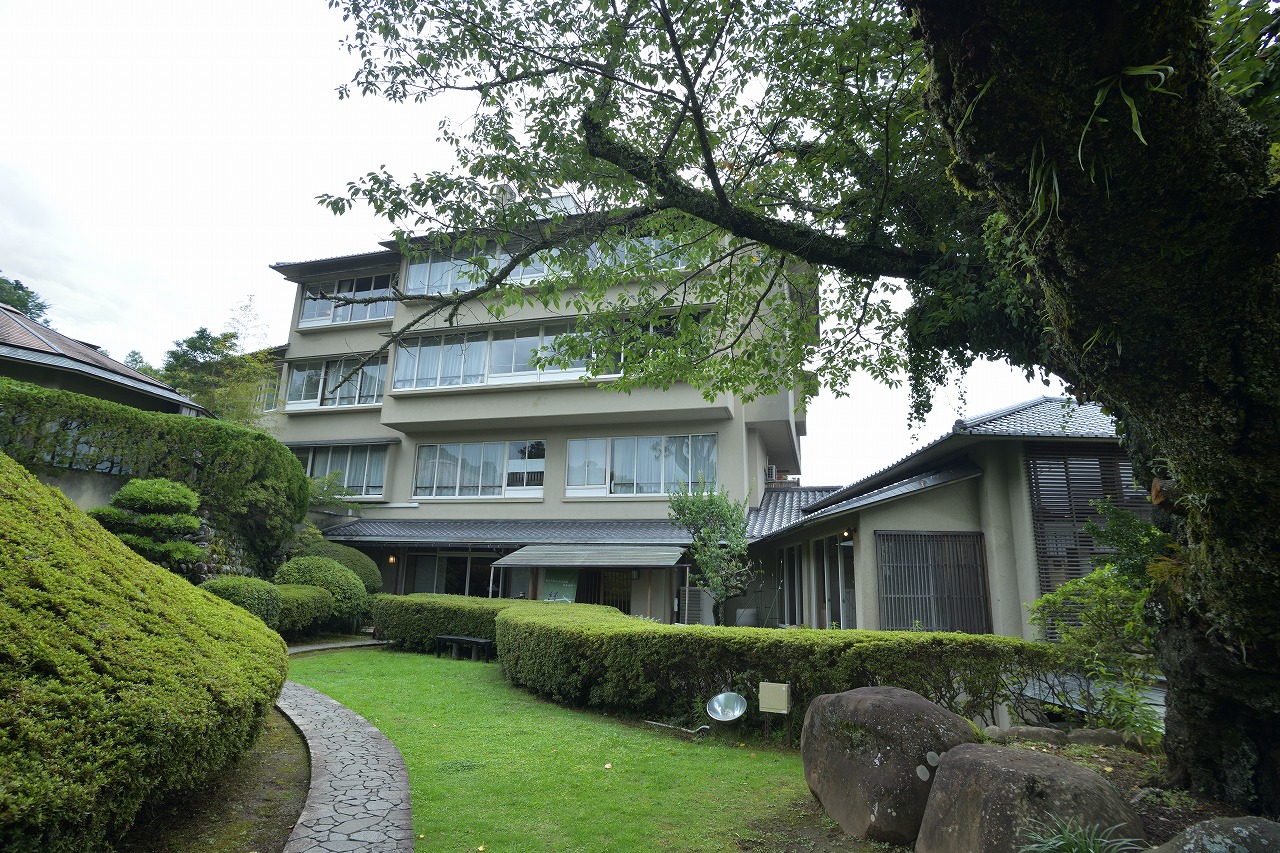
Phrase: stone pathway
(359, 796)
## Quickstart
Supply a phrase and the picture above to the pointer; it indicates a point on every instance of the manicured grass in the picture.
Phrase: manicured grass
(493, 768)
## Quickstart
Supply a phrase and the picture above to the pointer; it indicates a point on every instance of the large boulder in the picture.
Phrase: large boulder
(870, 755)
(986, 797)
(1226, 835)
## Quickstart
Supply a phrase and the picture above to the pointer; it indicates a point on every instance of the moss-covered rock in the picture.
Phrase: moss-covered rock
(119, 681)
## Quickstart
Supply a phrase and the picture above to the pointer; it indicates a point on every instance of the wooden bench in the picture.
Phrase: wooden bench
(477, 644)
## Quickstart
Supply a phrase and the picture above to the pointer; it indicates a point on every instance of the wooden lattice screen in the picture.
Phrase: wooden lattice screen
(938, 580)
(1065, 480)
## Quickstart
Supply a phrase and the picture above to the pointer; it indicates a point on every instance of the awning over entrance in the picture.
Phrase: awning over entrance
(592, 557)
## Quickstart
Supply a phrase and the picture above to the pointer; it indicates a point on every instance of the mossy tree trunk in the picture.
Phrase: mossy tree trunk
(1158, 270)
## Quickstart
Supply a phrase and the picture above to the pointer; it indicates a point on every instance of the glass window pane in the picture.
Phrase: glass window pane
(425, 481)
(649, 465)
(451, 360)
(703, 458)
(677, 461)
(372, 378)
(447, 466)
(577, 454)
(475, 353)
(316, 307)
(502, 352)
(406, 364)
(491, 468)
(353, 473)
(596, 449)
(535, 462)
(429, 362)
(622, 466)
(527, 342)
(440, 276)
(418, 277)
(342, 313)
(375, 475)
(469, 469)
(304, 381)
(363, 286)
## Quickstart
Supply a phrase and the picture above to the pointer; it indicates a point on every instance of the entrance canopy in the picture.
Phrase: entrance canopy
(593, 557)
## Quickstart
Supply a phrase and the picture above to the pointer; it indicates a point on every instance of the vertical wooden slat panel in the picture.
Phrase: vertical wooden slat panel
(936, 579)
(1065, 480)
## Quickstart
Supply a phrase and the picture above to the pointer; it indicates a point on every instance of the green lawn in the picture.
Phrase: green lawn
(492, 768)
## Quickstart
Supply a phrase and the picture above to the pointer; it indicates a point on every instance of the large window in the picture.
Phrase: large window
(476, 358)
(318, 308)
(639, 465)
(480, 469)
(363, 466)
(321, 383)
(933, 581)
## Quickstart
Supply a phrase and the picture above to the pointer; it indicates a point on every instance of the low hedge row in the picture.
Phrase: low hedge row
(303, 609)
(120, 682)
(580, 654)
(587, 655)
(259, 597)
(413, 621)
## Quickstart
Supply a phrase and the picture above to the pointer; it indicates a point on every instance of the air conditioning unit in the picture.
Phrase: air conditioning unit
(771, 473)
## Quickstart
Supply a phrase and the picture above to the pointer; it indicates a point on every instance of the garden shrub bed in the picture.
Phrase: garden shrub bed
(255, 595)
(596, 656)
(120, 681)
(303, 609)
(248, 481)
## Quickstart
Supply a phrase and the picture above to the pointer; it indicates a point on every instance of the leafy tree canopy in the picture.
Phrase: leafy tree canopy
(718, 525)
(14, 292)
(1087, 189)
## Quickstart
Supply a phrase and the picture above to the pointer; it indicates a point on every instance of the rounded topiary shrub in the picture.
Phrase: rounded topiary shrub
(303, 609)
(119, 681)
(349, 598)
(156, 496)
(357, 561)
(260, 598)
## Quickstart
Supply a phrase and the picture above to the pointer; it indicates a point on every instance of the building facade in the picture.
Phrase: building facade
(959, 536)
(477, 472)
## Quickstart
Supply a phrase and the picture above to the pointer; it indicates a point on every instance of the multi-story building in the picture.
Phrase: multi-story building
(477, 472)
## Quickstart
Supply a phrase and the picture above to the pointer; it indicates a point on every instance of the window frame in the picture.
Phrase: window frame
(321, 293)
(485, 487)
(318, 373)
(362, 489)
(587, 452)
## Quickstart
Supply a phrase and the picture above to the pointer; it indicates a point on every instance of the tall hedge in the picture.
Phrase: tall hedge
(249, 482)
(357, 561)
(119, 681)
(303, 609)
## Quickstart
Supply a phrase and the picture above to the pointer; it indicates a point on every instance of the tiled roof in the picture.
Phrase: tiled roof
(23, 339)
(1050, 417)
(1043, 417)
(780, 508)
(509, 533)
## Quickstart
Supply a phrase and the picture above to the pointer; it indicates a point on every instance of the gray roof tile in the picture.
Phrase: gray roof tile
(499, 533)
(781, 507)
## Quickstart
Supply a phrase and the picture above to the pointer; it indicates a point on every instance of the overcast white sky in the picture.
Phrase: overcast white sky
(156, 157)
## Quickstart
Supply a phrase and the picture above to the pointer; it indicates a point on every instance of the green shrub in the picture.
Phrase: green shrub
(414, 621)
(360, 563)
(250, 484)
(156, 496)
(119, 681)
(350, 601)
(150, 516)
(260, 598)
(303, 609)
(588, 655)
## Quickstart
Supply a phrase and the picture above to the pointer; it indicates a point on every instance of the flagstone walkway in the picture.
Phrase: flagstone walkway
(359, 796)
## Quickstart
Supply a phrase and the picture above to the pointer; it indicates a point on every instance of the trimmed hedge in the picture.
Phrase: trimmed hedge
(119, 681)
(249, 482)
(414, 621)
(349, 598)
(259, 597)
(303, 609)
(588, 655)
(157, 495)
(357, 561)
